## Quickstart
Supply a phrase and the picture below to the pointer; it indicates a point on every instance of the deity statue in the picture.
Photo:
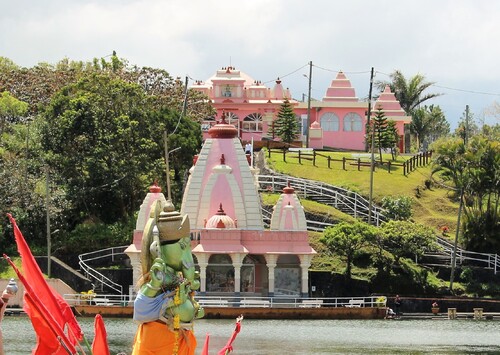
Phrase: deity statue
(165, 307)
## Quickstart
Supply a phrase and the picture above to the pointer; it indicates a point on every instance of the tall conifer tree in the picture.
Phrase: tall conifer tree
(286, 126)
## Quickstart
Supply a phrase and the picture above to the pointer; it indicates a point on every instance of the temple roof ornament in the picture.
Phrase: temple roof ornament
(223, 129)
(340, 90)
(220, 220)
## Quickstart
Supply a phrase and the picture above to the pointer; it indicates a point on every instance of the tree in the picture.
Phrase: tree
(474, 170)
(106, 138)
(23, 188)
(11, 109)
(410, 93)
(392, 138)
(286, 126)
(467, 126)
(493, 110)
(7, 64)
(383, 138)
(38, 84)
(407, 239)
(345, 239)
(428, 124)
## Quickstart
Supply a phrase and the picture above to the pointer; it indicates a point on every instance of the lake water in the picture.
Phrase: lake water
(289, 337)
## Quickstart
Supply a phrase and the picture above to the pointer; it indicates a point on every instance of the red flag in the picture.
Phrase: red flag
(100, 343)
(50, 334)
(205, 346)
(47, 341)
(53, 301)
(229, 346)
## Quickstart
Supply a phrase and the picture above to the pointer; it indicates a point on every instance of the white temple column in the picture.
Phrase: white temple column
(135, 263)
(305, 263)
(203, 263)
(237, 262)
(271, 261)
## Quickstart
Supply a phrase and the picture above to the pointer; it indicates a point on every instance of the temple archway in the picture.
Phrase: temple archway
(220, 273)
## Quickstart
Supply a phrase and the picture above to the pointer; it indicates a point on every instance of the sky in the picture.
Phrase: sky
(453, 43)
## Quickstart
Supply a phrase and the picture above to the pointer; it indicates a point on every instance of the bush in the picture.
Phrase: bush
(398, 208)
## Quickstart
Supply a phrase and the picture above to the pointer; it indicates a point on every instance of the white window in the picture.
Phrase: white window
(231, 118)
(353, 122)
(329, 122)
(252, 123)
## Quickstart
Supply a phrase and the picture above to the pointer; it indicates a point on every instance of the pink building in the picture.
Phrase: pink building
(337, 121)
(235, 254)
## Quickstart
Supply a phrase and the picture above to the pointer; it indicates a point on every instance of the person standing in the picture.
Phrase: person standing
(397, 304)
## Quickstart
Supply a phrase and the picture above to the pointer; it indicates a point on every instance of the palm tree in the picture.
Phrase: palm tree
(410, 93)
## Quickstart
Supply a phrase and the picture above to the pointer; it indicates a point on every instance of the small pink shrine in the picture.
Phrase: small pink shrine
(337, 121)
(235, 254)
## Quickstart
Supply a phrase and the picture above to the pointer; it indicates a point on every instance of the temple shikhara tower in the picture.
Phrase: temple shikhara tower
(234, 251)
(235, 254)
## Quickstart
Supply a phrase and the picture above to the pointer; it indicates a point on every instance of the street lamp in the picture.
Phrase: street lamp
(167, 154)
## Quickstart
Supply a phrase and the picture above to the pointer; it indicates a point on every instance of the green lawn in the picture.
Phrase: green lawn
(433, 207)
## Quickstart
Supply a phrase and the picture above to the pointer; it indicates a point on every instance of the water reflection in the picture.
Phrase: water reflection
(302, 336)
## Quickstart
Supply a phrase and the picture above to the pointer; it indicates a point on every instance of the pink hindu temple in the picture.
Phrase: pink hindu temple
(338, 121)
(233, 251)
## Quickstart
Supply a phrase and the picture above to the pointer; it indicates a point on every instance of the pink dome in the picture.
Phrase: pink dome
(315, 125)
(220, 220)
(223, 130)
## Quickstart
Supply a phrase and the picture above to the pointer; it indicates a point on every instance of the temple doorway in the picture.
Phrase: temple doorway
(220, 274)
(287, 276)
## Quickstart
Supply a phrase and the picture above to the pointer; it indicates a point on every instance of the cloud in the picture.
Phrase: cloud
(453, 43)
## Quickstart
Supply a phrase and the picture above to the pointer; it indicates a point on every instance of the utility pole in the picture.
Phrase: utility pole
(309, 104)
(372, 130)
(372, 166)
(454, 256)
(466, 127)
(184, 105)
(165, 138)
(369, 114)
(47, 202)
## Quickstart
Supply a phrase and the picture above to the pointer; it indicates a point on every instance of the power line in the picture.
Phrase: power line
(338, 71)
(284, 76)
(468, 91)
(455, 89)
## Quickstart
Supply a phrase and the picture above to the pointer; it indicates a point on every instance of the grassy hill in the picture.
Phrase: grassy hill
(434, 206)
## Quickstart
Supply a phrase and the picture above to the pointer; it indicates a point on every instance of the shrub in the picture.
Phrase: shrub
(398, 208)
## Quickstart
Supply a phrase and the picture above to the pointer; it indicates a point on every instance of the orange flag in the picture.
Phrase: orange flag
(52, 301)
(100, 343)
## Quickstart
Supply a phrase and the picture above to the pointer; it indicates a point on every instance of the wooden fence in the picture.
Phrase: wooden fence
(358, 160)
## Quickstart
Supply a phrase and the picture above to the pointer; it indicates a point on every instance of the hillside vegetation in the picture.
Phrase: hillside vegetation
(433, 205)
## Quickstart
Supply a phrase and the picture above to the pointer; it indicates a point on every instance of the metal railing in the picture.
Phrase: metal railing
(485, 260)
(105, 254)
(80, 299)
(241, 301)
(347, 201)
